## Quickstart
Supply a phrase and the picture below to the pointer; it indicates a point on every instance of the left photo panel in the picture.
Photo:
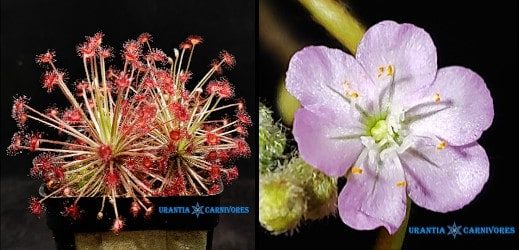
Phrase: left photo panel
(132, 125)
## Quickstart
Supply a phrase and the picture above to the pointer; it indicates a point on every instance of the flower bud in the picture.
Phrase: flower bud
(320, 190)
(282, 204)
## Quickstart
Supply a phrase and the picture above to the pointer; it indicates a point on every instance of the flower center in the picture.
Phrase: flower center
(383, 128)
(379, 131)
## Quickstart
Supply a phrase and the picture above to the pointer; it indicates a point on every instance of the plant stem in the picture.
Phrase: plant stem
(337, 20)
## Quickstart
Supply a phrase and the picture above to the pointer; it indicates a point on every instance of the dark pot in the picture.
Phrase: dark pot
(65, 228)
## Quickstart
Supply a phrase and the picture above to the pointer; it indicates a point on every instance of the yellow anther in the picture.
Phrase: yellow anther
(437, 97)
(401, 184)
(353, 95)
(356, 170)
(390, 70)
(441, 145)
(380, 71)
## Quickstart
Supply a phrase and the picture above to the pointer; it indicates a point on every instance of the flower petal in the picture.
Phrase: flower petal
(315, 139)
(321, 79)
(370, 200)
(469, 109)
(407, 48)
(447, 179)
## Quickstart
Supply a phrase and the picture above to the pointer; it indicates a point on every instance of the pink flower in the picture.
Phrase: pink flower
(393, 123)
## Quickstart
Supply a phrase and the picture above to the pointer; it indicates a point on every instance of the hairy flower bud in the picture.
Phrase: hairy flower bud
(320, 190)
(282, 204)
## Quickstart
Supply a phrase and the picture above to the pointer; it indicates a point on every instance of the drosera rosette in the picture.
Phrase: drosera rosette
(393, 123)
(290, 190)
(101, 132)
(195, 140)
(110, 147)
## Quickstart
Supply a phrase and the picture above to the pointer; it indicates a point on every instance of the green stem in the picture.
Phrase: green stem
(337, 20)
(385, 241)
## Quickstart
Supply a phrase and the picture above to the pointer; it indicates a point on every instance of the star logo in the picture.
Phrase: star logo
(197, 210)
(454, 230)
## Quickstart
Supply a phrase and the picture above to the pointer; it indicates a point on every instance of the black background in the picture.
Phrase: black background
(32, 27)
(480, 35)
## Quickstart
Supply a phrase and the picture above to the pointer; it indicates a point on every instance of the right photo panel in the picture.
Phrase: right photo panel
(382, 125)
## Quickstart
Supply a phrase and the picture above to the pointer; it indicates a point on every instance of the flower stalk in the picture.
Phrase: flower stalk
(337, 20)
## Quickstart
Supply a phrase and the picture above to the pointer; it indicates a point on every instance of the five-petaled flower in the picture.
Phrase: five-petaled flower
(393, 123)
